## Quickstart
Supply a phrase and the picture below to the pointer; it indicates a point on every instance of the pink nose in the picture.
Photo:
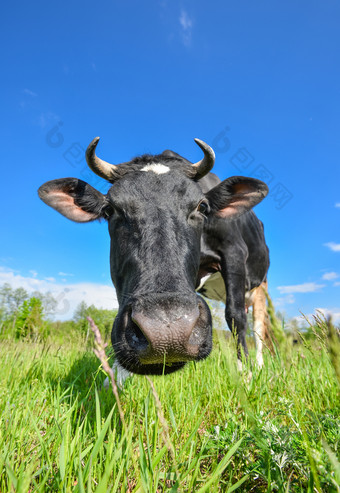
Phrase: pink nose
(173, 339)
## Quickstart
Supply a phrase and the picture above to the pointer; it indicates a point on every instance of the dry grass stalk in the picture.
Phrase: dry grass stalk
(99, 351)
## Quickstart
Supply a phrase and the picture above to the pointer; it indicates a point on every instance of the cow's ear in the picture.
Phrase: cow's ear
(236, 195)
(171, 154)
(73, 198)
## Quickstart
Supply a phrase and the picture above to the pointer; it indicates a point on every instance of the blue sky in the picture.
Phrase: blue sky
(259, 81)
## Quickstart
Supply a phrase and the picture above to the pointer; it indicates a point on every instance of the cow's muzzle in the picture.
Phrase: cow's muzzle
(175, 338)
(155, 336)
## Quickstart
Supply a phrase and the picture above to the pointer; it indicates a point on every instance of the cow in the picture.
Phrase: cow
(177, 232)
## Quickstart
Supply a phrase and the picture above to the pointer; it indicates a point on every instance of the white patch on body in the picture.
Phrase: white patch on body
(120, 376)
(159, 169)
(203, 281)
(214, 287)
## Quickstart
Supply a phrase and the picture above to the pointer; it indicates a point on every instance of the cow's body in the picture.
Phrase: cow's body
(174, 228)
(233, 269)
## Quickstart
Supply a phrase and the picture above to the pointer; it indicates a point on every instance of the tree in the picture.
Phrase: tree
(49, 303)
(103, 318)
(10, 300)
(30, 320)
(79, 317)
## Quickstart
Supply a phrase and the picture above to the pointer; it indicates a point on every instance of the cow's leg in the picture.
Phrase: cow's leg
(120, 375)
(235, 310)
(259, 320)
(236, 319)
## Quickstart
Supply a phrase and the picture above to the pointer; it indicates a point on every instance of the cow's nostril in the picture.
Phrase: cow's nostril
(135, 337)
(195, 337)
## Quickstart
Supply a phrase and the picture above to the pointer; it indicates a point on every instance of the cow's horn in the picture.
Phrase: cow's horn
(204, 166)
(102, 168)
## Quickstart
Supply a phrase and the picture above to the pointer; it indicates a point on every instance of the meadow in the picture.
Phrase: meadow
(207, 428)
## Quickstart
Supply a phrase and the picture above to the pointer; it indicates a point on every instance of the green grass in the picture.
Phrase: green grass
(215, 429)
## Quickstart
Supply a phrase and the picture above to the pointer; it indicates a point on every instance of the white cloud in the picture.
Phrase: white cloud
(335, 247)
(329, 276)
(65, 274)
(68, 295)
(50, 279)
(185, 20)
(285, 300)
(337, 204)
(47, 119)
(336, 283)
(307, 287)
(186, 24)
(28, 92)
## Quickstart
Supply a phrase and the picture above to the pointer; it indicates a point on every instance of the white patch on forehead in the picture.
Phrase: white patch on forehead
(159, 169)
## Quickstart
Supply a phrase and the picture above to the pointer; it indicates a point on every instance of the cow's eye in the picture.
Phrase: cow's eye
(203, 207)
(107, 211)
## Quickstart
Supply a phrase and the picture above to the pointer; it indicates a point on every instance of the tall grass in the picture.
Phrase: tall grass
(207, 428)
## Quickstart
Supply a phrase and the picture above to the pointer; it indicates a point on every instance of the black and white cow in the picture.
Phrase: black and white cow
(174, 228)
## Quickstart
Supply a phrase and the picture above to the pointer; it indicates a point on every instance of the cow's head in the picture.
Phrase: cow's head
(155, 211)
